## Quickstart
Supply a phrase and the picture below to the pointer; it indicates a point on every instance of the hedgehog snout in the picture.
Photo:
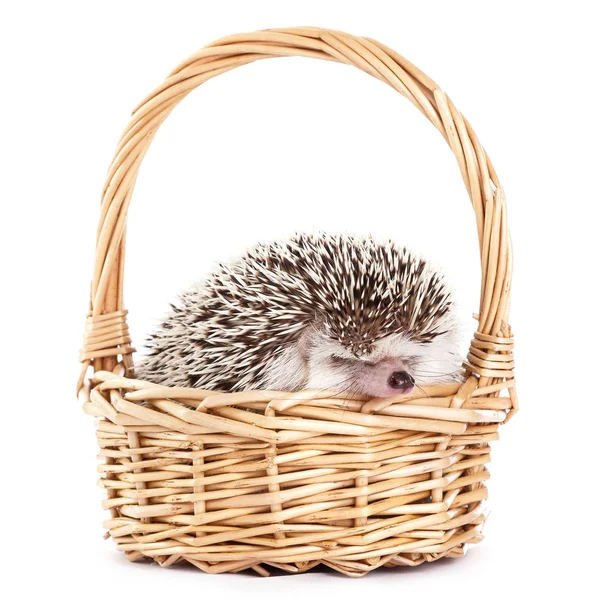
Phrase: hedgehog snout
(402, 381)
(385, 377)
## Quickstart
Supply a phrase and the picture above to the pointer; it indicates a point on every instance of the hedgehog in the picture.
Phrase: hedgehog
(315, 311)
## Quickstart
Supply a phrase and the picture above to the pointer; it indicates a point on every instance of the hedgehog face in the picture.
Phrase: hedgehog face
(390, 366)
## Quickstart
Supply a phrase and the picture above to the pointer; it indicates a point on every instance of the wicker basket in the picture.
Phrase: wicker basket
(351, 483)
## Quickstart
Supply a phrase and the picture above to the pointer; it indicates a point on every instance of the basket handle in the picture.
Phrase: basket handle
(106, 332)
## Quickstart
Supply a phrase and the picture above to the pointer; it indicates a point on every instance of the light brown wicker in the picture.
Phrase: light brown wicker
(351, 483)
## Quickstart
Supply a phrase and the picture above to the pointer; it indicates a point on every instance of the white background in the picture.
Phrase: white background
(278, 146)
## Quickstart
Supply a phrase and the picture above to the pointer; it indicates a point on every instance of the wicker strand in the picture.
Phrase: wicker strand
(106, 335)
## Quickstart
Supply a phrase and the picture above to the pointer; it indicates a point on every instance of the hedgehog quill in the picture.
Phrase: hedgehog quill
(322, 312)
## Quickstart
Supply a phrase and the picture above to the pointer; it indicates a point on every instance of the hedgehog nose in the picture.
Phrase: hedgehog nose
(401, 380)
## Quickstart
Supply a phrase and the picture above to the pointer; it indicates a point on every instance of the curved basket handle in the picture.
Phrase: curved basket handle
(106, 332)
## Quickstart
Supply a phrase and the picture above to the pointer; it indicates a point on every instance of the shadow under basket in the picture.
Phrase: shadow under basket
(260, 479)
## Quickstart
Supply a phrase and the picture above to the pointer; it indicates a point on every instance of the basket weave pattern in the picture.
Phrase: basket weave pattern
(307, 478)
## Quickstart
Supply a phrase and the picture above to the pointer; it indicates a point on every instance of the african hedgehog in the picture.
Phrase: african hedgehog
(315, 311)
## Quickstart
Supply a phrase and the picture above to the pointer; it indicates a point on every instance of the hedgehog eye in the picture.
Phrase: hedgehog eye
(336, 358)
(347, 360)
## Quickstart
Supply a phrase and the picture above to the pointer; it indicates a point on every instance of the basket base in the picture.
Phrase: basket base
(349, 568)
(455, 547)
